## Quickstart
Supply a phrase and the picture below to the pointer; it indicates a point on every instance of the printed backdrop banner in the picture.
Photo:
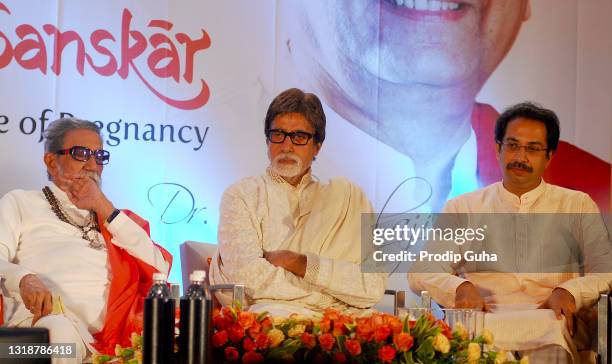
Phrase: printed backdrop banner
(411, 90)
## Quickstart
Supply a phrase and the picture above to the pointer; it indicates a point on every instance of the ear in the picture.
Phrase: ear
(317, 148)
(50, 160)
(549, 156)
(498, 150)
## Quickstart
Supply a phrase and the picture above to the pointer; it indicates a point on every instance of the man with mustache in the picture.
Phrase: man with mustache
(70, 261)
(292, 240)
(527, 137)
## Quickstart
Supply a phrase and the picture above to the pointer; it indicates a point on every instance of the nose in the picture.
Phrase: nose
(91, 165)
(287, 145)
(520, 155)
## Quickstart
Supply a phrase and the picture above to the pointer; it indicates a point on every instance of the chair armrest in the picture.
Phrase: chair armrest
(603, 329)
(399, 299)
(237, 291)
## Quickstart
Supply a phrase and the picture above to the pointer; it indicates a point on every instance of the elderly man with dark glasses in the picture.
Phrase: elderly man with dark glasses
(292, 240)
(60, 247)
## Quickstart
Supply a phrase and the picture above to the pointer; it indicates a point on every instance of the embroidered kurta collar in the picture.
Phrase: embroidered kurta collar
(277, 178)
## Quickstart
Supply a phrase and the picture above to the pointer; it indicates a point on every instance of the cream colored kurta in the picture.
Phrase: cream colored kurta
(521, 289)
(34, 240)
(321, 221)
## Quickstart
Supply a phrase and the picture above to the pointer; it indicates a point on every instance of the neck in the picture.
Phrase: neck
(520, 189)
(294, 181)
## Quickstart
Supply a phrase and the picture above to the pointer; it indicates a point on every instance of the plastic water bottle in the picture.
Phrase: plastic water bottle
(158, 336)
(195, 321)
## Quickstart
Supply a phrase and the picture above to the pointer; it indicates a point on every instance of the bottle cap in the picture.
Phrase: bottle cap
(197, 276)
(159, 277)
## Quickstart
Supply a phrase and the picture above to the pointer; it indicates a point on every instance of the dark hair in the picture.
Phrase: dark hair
(57, 130)
(533, 111)
(296, 100)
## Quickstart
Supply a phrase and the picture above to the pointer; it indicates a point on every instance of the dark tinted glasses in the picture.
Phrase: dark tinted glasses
(83, 154)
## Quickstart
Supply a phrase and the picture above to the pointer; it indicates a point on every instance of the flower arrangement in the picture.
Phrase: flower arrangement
(249, 337)
(131, 355)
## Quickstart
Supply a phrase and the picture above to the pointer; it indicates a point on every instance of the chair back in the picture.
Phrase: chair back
(194, 256)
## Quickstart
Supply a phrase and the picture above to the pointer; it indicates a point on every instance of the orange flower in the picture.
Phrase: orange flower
(325, 325)
(219, 322)
(246, 319)
(231, 354)
(353, 347)
(235, 332)
(266, 324)
(254, 330)
(228, 313)
(364, 330)
(395, 324)
(403, 341)
(262, 341)
(386, 354)
(309, 340)
(252, 357)
(327, 342)
(381, 333)
(331, 314)
(219, 338)
(339, 357)
(446, 330)
(339, 329)
(248, 344)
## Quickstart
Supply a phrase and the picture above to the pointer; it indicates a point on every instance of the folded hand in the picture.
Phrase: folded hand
(36, 296)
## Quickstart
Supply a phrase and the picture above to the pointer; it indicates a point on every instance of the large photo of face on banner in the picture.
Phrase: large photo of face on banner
(408, 72)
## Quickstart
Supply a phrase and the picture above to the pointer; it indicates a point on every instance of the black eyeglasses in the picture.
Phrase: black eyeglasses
(278, 136)
(83, 154)
(529, 148)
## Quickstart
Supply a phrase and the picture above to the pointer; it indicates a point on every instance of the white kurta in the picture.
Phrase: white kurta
(265, 213)
(34, 240)
(521, 289)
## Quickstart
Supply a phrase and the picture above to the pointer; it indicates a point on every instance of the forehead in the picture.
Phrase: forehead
(83, 137)
(526, 130)
(291, 121)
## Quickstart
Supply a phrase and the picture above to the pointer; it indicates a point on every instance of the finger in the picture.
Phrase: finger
(35, 319)
(36, 307)
(569, 320)
(47, 305)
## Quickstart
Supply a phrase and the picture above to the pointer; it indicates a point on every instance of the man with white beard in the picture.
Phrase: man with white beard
(70, 261)
(293, 241)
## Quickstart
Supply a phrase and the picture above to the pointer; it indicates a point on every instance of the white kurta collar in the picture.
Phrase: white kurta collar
(527, 198)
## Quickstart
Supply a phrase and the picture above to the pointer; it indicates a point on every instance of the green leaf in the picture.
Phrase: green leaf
(126, 352)
(286, 351)
(234, 314)
(406, 324)
(262, 316)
